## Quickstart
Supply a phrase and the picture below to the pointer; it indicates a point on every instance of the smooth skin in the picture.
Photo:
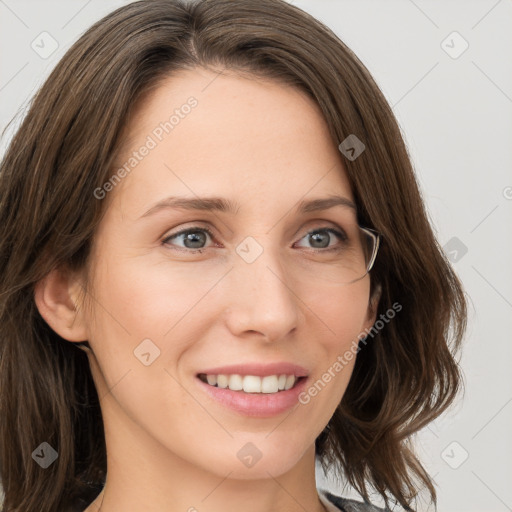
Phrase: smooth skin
(170, 447)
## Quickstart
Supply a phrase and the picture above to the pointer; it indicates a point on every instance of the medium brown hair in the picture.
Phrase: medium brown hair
(403, 378)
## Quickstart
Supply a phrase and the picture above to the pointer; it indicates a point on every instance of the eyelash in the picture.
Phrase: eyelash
(340, 234)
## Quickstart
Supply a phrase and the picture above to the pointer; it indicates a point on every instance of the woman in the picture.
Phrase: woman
(216, 269)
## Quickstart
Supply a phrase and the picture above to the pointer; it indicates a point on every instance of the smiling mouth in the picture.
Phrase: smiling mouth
(252, 384)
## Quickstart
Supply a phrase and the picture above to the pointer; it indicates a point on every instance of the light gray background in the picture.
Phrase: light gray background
(455, 113)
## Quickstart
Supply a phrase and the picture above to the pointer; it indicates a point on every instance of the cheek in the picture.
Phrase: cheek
(138, 310)
(342, 315)
(342, 312)
(148, 297)
(141, 329)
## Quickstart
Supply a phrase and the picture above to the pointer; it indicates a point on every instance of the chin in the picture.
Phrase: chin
(257, 459)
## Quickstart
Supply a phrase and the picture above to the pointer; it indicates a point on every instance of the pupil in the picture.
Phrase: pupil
(194, 238)
(318, 236)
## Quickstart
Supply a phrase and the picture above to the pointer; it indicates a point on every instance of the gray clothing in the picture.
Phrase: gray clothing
(349, 505)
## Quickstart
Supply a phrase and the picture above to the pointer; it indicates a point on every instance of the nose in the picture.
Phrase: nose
(260, 298)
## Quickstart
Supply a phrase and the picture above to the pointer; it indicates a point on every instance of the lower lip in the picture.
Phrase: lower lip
(258, 405)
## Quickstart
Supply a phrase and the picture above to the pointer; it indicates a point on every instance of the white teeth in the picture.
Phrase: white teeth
(222, 381)
(252, 383)
(290, 381)
(235, 382)
(269, 384)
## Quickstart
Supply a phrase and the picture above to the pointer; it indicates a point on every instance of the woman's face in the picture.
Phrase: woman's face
(164, 312)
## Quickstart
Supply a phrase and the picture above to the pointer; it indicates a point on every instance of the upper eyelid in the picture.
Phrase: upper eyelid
(348, 217)
(211, 232)
(166, 237)
(199, 225)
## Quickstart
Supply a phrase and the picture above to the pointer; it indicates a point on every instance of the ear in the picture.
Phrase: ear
(56, 297)
(373, 304)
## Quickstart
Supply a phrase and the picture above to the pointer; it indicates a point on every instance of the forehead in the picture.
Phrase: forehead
(222, 134)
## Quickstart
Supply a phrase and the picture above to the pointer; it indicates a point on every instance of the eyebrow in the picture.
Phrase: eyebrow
(232, 207)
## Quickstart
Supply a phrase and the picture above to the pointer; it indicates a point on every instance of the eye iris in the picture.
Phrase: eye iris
(318, 236)
(194, 237)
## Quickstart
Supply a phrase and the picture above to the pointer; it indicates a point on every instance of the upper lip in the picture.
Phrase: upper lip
(258, 369)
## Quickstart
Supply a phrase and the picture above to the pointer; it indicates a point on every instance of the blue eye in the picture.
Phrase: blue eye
(191, 239)
(195, 237)
(314, 237)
